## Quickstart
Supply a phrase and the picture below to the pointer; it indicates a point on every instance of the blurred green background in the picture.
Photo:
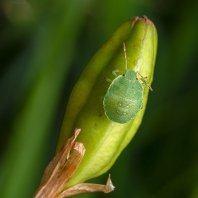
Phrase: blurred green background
(44, 46)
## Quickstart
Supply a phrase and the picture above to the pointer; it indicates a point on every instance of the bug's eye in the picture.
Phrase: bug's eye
(124, 75)
(136, 78)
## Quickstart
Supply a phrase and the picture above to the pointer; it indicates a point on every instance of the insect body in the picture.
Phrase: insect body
(123, 99)
(124, 96)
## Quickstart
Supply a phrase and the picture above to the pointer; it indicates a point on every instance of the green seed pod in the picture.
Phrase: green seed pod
(104, 139)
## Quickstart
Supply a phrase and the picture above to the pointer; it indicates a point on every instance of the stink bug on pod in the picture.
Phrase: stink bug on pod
(124, 96)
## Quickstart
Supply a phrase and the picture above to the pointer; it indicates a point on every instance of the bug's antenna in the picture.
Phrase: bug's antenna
(145, 82)
(125, 55)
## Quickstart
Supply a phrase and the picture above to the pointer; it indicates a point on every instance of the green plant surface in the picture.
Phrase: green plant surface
(103, 139)
(161, 160)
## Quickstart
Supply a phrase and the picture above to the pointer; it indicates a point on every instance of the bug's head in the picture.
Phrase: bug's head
(130, 74)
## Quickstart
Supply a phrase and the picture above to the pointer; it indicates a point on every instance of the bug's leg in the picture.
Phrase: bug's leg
(115, 71)
(144, 82)
(142, 79)
(101, 114)
(108, 80)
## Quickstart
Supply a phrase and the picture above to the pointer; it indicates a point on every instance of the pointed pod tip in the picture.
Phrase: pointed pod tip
(144, 19)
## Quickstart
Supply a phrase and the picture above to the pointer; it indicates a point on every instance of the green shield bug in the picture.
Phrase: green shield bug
(123, 99)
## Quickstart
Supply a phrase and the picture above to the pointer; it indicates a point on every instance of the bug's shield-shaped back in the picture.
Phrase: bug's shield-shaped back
(123, 99)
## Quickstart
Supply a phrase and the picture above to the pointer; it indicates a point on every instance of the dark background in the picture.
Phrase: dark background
(44, 46)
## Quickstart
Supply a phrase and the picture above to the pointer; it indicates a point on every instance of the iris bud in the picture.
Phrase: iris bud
(103, 139)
